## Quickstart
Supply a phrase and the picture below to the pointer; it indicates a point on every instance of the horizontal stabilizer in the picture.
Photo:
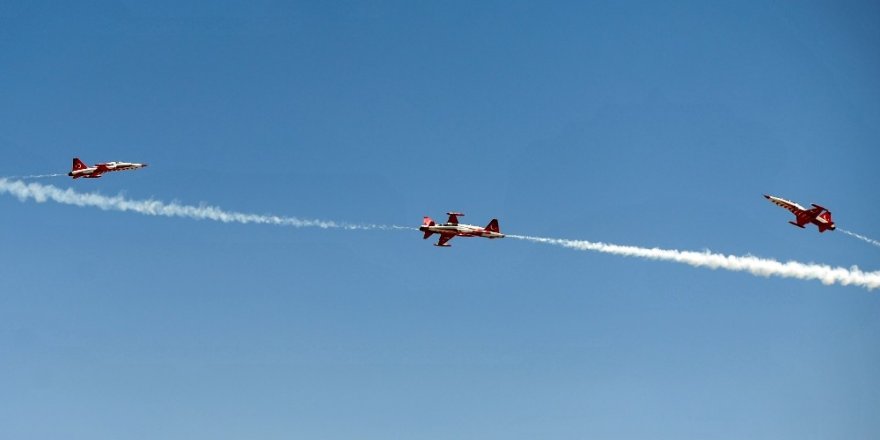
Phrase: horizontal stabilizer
(453, 217)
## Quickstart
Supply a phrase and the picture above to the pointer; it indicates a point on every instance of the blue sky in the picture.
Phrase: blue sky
(634, 123)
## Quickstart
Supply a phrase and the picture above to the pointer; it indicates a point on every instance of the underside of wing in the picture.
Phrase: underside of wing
(791, 206)
(443, 239)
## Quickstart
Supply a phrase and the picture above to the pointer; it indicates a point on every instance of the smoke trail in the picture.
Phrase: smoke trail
(34, 176)
(860, 237)
(754, 265)
(42, 193)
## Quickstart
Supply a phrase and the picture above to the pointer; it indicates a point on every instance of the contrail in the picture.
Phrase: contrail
(753, 265)
(860, 237)
(42, 193)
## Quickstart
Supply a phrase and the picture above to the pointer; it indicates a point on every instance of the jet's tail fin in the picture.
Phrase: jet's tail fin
(830, 223)
(78, 164)
(493, 226)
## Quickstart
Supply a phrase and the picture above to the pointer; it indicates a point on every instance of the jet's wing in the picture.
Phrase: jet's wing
(787, 204)
(100, 169)
(443, 239)
(800, 221)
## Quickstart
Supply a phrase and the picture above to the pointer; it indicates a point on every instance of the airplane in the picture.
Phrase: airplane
(80, 169)
(452, 228)
(818, 216)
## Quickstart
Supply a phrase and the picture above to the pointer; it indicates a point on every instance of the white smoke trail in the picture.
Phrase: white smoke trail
(34, 176)
(42, 193)
(860, 237)
(754, 265)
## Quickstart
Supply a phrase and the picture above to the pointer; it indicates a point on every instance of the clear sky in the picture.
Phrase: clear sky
(649, 124)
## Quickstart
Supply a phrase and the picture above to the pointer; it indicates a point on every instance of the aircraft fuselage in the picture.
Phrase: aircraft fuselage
(101, 168)
(461, 230)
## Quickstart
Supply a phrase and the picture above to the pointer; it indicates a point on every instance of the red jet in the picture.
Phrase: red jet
(818, 216)
(452, 228)
(80, 169)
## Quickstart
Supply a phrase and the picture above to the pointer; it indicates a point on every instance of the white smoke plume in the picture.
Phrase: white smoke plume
(42, 193)
(35, 176)
(757, 266)
(860, 237)
(754, 265)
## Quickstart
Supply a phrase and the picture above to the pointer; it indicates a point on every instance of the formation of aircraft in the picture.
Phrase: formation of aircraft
(818, 215)
(452, 228)
(80, 169)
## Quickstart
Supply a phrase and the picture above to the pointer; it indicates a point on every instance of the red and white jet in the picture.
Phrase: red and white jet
(452, 228)
(818, 216)
(80, 169)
